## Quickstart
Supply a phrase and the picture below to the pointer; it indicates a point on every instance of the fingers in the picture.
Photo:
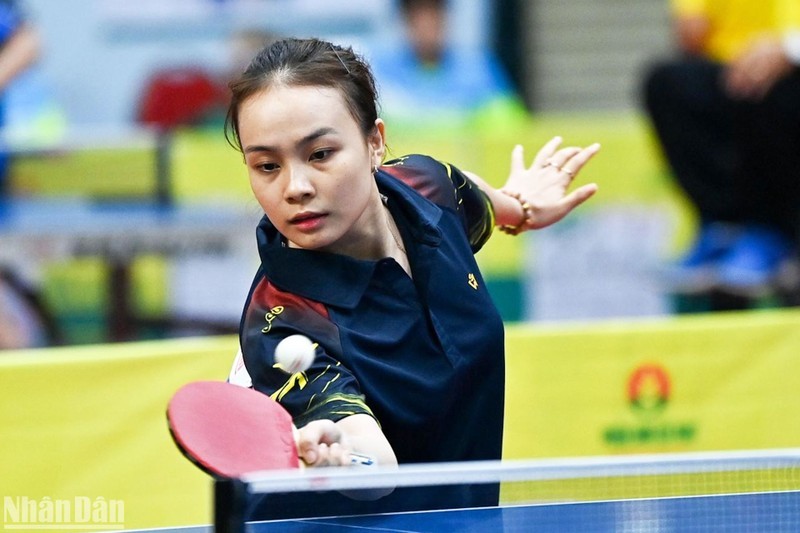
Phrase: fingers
(560, 158)
(334, 454)
(577, 160)
(546, 152)
(568, 160)
(322, 443)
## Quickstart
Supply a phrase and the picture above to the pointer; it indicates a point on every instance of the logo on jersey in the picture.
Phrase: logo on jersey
(270, 316)
(472, 281)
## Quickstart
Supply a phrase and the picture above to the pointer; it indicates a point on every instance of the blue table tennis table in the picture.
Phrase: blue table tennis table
(766, 512)
(732, 491)
(777, 512)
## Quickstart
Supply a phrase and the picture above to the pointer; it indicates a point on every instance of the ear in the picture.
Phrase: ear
(377, 142)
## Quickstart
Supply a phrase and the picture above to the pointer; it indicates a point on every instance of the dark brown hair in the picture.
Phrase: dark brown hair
(307, 63)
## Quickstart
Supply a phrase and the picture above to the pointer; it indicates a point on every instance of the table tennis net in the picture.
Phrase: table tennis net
(639, 484)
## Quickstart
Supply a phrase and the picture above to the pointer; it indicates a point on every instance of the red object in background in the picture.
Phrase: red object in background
(179, 96)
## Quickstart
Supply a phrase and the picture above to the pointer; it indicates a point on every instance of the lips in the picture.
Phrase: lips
(304, 216)
(307, 220)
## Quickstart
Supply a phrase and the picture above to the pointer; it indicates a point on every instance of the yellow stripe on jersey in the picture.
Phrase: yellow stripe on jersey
(300, 379)
(355, 401)
(337, 376)
(335, 407)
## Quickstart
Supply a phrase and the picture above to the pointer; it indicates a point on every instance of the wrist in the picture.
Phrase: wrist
(525, 214)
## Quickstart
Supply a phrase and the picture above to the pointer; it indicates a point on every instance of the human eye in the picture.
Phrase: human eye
(321, 154)
(266, 166)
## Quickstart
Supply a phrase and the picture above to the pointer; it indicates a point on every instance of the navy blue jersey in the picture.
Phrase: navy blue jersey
(423, 355)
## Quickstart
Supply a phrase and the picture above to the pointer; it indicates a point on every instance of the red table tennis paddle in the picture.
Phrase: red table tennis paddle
(228, 430)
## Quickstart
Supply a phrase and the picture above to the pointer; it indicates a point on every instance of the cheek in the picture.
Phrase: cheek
(354, 191)
(266, 194)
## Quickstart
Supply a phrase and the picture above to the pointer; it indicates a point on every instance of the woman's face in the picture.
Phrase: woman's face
(310, 166)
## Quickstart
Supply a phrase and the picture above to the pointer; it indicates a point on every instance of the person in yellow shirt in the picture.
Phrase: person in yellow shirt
(727, 114)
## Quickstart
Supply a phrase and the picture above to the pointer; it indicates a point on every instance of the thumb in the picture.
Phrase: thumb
(517, 159)
(579, 195)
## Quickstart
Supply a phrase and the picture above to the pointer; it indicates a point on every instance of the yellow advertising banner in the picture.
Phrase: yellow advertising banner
(84, 432)
(85, 440)
(715, 382)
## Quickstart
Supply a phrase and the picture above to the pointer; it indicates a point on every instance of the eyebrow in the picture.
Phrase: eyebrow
(316, 134)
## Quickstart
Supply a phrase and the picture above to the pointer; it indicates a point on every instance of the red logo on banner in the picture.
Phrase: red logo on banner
(649, 388)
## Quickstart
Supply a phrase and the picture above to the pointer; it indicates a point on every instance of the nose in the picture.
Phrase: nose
(299, 185)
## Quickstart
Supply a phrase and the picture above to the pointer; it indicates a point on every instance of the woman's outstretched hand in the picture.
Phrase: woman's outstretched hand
(543, 185)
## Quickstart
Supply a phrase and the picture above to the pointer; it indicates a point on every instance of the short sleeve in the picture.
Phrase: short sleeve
(327, 389)
(475, 208)
(448, 187)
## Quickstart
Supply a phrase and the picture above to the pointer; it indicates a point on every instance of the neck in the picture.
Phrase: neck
(377, 237)
(396, 247)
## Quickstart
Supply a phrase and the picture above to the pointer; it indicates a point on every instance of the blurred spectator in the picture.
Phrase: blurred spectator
(727, 113)
(193, 95)
(426, 78)
(26, 113)
(19, 49)
(24, 322)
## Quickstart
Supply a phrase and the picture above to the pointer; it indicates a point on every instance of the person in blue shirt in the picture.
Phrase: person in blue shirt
(19, 48)
(23, 322)
(374, 262)
(424, 76)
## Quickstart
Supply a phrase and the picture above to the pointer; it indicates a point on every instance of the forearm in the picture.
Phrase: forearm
(507, 210)
(19, 52)
(365, 437)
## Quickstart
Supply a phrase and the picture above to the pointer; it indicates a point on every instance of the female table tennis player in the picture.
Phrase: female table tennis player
(373, 261)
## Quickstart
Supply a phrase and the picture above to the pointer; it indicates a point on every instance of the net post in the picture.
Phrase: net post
(230, 502)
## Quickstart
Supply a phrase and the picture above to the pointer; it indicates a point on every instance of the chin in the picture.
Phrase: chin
(307, 242)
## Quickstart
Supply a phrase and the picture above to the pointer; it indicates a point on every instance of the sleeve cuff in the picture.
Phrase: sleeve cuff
(335, 407)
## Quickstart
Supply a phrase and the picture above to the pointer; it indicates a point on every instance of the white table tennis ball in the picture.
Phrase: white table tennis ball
(295, 354)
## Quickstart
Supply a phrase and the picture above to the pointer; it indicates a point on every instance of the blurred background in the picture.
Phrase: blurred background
(126, 216)
(126, 101)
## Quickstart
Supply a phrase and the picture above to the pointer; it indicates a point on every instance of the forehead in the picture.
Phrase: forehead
(295, 101)
(284, 115)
